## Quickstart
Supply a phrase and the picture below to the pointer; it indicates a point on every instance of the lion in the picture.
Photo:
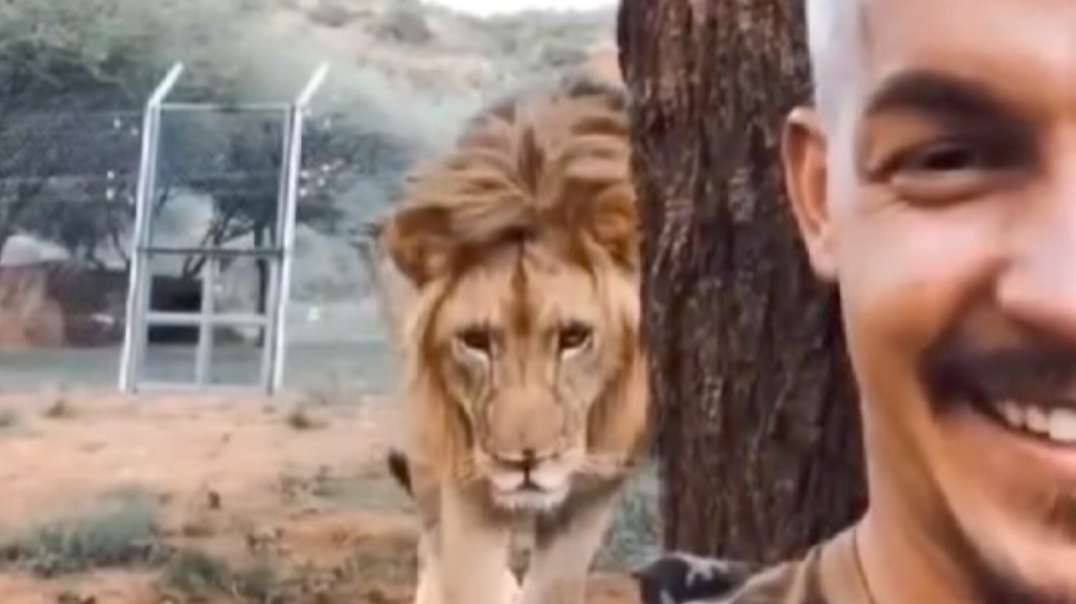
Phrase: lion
(525, 366)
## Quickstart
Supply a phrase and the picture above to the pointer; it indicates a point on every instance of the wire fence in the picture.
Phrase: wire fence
(67, 187)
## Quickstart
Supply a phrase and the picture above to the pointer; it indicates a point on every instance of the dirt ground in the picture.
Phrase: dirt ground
(110, 499)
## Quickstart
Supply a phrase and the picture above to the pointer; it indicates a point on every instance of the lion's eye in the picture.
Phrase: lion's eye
(476, 339)
(574, 336)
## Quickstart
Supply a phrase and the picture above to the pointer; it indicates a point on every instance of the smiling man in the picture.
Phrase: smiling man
(934, 182)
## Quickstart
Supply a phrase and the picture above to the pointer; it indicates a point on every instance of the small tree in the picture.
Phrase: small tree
(63, 65)
(237, 163)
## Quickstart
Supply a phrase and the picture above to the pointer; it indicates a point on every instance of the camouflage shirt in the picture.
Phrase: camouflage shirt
(828, 574)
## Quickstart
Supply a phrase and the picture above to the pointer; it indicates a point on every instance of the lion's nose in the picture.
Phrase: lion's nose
(524, 461)
(530, 459)
(526, 423)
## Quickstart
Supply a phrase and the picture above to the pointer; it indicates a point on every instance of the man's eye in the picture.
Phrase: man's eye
(947, 157)
(953, 170)
(972, 153)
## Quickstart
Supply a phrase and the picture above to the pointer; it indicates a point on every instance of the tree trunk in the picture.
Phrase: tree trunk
(758, 428)
(260, 232)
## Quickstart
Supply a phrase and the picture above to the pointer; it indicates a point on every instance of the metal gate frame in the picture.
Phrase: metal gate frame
(139, 317)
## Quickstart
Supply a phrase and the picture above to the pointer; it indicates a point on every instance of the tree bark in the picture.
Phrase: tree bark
(758, 428)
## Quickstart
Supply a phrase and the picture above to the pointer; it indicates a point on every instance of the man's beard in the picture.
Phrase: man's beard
(1002, 587)
(958, 371)
(1029, 367)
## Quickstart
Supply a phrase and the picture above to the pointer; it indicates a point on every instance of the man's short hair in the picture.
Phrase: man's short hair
(832, 40)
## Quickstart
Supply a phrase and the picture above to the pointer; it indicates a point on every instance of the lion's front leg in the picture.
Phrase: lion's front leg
(472, 557)
(564, 550)
(429, 573)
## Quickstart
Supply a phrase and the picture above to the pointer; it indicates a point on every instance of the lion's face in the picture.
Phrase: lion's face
(522, 244)
(524, 344)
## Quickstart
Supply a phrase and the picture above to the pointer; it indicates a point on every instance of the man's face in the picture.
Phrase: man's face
(943, 202)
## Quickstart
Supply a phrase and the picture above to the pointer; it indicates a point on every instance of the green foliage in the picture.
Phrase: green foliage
(61, 65)
(541, 44)
(237, 158)
(259, 583)
(100, 54)
(118, 533)
(199, 575)
(634, 536)
(195, 573)
(406, 24)
(73, 76)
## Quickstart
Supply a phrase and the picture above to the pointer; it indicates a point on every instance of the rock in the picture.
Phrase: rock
(29, 317)
(50, 304)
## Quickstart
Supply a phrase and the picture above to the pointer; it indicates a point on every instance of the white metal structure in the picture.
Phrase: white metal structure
(140, 317)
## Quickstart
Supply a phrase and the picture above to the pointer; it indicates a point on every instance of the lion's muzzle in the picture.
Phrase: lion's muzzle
(528, 480)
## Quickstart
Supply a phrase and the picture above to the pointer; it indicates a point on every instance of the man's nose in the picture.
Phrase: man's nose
(1038, 286)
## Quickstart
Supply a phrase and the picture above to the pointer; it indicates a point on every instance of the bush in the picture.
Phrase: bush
(196, 573)
(199, 576)
(61, 408)
(332, 14)
(406, 25)
(634, 536)
(8, 418)
(301, 419)
(120, 534)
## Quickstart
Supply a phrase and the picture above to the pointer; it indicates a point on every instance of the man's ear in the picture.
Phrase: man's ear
(803, 153)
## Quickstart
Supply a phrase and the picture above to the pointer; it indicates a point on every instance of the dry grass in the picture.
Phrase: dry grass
(116, 534)
(178, 502)
(8, 418)
(197, 576)
(61, 408)
(300, 418)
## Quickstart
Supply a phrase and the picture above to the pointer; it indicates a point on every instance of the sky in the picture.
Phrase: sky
(489, 7)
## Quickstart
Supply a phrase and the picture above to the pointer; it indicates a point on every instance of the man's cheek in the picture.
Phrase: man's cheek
(907, 275)
(898, 303)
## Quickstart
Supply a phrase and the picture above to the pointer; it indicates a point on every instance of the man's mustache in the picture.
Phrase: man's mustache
(1035, 369)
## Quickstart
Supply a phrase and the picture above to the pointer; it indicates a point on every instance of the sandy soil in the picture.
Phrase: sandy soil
(251, 482)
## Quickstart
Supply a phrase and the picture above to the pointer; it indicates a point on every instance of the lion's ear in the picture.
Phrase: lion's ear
(417, 239)
(613, 222)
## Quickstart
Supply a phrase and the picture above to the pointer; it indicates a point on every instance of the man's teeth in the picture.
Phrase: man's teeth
(1056, 424)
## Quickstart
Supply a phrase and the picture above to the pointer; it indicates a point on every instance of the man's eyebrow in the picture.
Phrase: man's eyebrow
(934, 92)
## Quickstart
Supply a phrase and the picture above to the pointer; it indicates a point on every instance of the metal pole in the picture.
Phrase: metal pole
(224, 107)
(293, 161)
(291, 197)
(312, 86)
(144, 193)
(145, 278)
(205, 327)
(272, 309)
